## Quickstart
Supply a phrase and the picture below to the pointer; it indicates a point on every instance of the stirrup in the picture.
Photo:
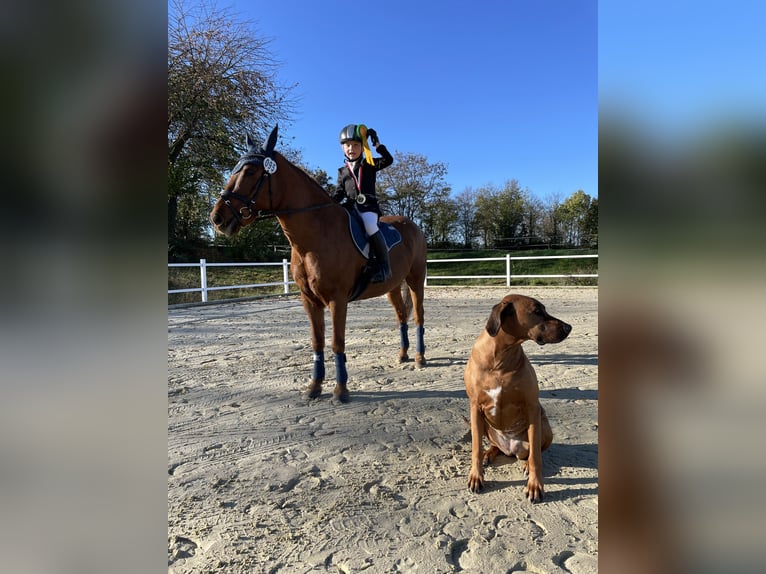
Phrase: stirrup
(380, 275)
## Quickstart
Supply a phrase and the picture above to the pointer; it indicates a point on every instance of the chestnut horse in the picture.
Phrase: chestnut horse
(324, 262)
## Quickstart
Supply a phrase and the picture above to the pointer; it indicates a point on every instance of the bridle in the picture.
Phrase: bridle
(245, 213)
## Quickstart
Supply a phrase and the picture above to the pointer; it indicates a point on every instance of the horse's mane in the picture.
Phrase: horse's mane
(306, 175)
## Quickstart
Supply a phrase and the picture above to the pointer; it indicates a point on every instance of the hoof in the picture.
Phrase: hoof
(420, 360)
(340, 393)
(403, 356)
(314, 390)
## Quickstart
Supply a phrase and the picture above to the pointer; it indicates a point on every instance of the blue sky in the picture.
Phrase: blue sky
(496, 90)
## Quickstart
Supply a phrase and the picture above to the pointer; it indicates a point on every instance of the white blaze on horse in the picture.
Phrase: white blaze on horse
(327, 266)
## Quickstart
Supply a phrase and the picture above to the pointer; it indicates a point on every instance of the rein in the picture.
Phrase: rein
(244, 212)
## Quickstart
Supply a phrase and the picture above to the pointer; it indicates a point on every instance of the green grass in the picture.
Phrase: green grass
(189, 277)
(527, 267)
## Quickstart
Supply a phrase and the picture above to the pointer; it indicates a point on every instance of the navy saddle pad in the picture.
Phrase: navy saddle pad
(359, 236)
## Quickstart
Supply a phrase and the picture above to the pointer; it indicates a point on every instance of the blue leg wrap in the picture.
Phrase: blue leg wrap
(341, 375)
(403, 335)
(318, 373)
(420, 345)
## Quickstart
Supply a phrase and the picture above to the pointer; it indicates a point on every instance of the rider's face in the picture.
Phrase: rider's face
(352, 149)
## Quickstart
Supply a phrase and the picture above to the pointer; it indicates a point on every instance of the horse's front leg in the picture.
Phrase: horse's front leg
(315, 314)
(338, 310)
(416, 292)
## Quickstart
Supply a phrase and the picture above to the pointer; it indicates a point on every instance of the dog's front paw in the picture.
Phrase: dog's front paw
(475, 480)
(534, 490)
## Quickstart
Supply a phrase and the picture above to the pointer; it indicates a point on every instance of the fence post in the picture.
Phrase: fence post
(507, 269)
(203, 278)
(285, 276)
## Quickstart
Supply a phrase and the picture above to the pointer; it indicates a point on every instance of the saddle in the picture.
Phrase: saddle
(391, 236)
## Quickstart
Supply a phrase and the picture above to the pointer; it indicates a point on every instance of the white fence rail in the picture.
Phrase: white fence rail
(203, 266)
(509, 275)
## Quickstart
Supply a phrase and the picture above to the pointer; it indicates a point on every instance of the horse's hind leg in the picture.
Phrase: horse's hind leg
(402, 314)
(417, 292)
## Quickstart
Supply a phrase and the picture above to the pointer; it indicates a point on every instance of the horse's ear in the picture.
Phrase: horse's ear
(271, 143)
(250, 142)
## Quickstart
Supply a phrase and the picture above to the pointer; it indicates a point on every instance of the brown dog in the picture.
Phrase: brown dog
(502, 388)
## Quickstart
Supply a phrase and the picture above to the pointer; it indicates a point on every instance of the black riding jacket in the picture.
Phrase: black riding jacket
(347, 183)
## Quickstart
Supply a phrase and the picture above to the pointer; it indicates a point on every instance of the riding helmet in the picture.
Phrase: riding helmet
(351, 133)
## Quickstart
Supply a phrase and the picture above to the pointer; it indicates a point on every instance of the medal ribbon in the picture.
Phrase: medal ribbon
(357, 181)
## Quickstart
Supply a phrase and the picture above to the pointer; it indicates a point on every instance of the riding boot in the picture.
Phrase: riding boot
(378, 244)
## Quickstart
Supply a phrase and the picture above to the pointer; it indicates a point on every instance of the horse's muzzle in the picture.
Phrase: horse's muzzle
(216, 219)
(222, 226)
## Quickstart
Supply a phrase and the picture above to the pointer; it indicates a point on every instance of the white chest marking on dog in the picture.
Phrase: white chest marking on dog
(494, 393)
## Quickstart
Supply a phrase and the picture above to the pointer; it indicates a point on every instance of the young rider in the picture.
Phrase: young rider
(356, 187)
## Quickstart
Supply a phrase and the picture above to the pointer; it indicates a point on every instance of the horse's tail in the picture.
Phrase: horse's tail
(407, 296)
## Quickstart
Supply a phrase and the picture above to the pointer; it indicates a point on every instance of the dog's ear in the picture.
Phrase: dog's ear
(499, 312)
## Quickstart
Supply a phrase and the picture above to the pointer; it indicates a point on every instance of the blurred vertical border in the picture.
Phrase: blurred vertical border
(682, 190)
(83, 344)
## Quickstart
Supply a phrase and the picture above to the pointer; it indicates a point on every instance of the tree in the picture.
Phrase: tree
(500, 213)
(465, 209)
(551, 225)
(221, 85)
(533, 218)
(573, 214)
(590, 224)
(439, 221)
(487, 207)
(409, 184)
(510, 213)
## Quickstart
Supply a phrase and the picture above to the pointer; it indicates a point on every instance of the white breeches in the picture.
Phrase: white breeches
(370, 219)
